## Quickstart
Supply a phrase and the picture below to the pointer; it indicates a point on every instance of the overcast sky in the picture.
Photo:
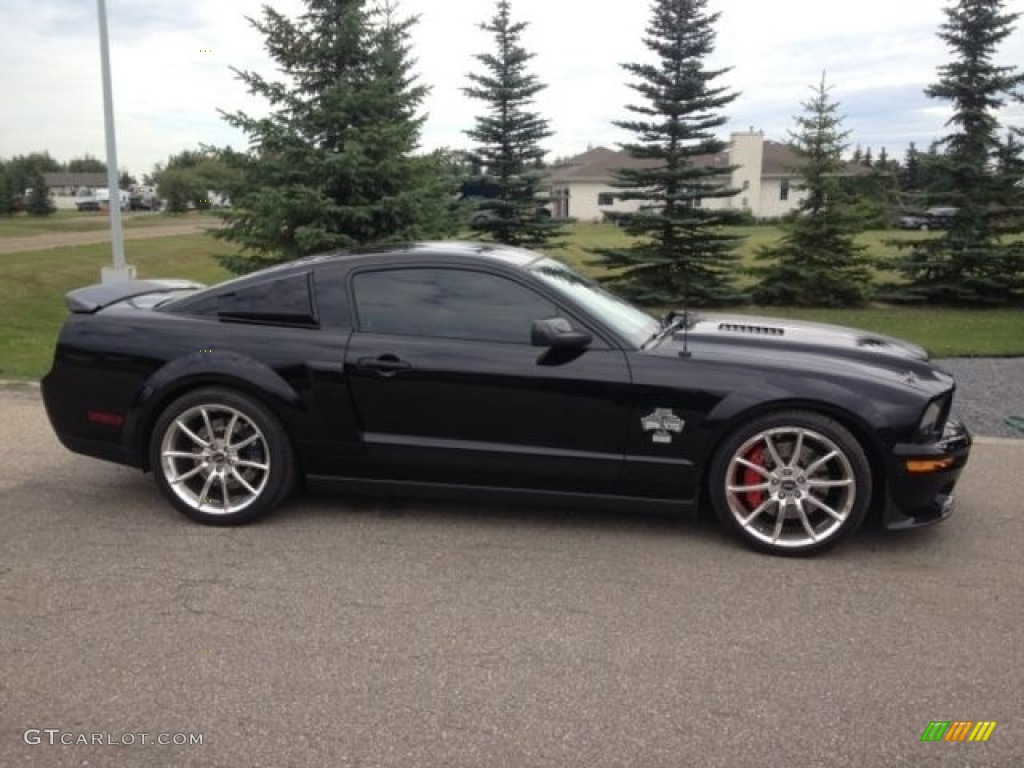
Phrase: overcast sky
(171, 62)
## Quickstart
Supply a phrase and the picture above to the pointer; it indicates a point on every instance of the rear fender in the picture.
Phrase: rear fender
(203, 369)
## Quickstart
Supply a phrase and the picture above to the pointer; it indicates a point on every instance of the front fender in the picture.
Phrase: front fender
(820, 395)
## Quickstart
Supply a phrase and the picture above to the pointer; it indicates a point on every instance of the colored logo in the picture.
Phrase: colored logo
(958, 730)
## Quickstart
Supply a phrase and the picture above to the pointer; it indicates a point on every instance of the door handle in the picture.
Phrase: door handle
(385, 365)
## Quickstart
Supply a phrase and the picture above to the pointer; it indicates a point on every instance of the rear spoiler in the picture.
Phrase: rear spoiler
(95, 297)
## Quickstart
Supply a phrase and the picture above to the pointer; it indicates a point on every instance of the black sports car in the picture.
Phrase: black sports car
(490, 371)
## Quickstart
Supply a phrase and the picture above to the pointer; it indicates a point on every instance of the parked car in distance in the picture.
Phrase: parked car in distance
(98, 199)
(143, 197)
(486, 372)
(86, 201)
(481, 216)
(937, 217)
(476, 194)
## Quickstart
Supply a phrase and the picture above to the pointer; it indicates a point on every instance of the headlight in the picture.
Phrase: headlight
(934, 418)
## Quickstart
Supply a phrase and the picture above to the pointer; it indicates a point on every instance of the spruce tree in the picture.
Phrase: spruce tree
(334, 164)
(6, 193)
(882, 163)
(682, 253)
(39, 202)
(1010, 177)
(508, 138)
(816, 263)
(910, 178)
(972, 263)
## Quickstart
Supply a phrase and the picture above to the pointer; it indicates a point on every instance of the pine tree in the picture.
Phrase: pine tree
(882, 163)
(971, 264)
(682, 252)
(333, 165)
(817, 263)
(910, 179)
(39, 202)
(508, 139)
(6, 193)
(1010, 176)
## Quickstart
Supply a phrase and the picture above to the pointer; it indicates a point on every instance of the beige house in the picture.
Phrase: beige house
(582, 187)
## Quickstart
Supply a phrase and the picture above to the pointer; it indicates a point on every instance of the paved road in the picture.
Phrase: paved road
(368, 633)
(63, 239)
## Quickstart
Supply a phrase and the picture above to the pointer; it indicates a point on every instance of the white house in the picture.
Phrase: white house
(67, 188)
(582, 187)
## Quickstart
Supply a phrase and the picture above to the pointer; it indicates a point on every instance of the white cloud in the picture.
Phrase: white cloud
(172, 62)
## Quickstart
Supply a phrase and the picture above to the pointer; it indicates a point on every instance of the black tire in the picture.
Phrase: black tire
(787, 504)
(244, 472)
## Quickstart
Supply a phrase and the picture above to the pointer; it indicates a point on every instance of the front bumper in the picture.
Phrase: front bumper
(919, 498)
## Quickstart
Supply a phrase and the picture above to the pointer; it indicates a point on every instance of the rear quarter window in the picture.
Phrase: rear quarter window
(286, 300)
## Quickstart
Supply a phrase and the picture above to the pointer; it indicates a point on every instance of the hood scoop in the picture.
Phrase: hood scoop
(872, 341)
(757, 330)
(798, 335)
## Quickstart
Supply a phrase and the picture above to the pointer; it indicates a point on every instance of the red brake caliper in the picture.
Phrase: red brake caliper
(754, 499)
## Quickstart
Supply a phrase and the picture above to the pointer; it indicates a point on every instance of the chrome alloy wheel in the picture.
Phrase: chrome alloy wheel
(790, 487)
(215, 459)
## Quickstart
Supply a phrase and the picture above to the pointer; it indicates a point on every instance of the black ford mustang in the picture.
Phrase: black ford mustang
(474, 369)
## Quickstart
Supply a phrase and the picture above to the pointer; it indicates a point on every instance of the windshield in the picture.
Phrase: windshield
(627, 320)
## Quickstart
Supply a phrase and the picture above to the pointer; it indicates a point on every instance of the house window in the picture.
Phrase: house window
(746, 184)
(784, 190)
(606, 198)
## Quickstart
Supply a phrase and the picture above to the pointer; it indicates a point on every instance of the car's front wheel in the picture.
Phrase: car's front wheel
(792, 483)
(221, 457)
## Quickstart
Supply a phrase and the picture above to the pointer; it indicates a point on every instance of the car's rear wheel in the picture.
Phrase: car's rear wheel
(792, 483)
(221, 457)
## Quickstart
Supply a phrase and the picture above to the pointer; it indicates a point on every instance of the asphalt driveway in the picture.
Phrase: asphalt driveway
(389, 633)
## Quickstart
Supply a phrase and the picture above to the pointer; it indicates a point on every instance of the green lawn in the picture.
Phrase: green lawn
(32, 287)
(585, 238)
(23, 225)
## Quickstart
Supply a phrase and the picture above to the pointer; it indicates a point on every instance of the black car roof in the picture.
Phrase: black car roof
(519, 257)
(516, 257)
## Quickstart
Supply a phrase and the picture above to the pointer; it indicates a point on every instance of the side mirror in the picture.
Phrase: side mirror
(558, 333)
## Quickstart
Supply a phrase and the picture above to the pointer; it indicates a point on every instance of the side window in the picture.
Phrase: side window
(286, 300)
(448, 303)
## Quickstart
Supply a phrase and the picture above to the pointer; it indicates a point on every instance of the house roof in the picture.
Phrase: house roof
(600, 163)
(75, 179)
(778, 159)
(597, 164)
